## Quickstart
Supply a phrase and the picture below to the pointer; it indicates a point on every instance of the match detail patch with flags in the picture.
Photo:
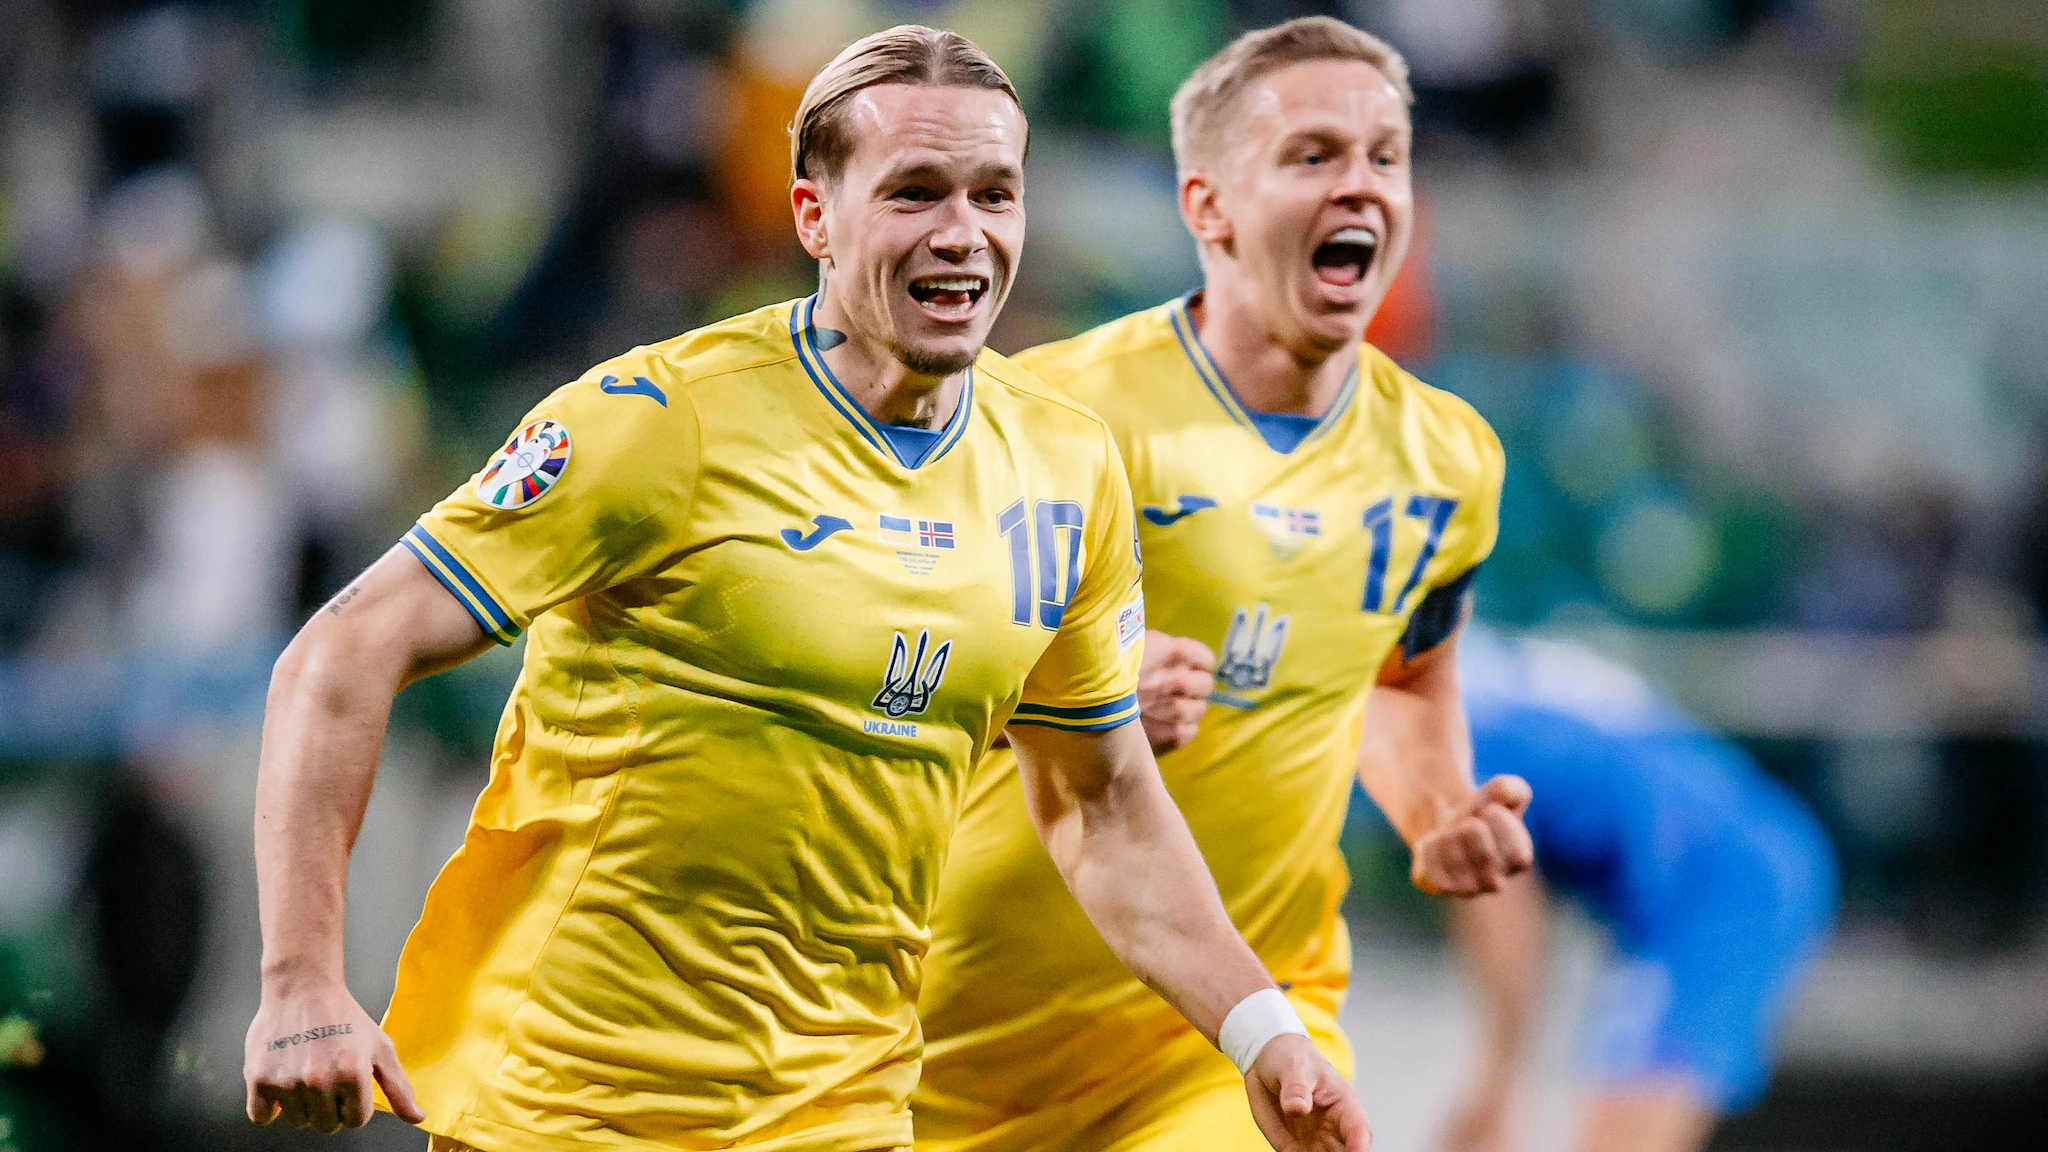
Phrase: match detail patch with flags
(918, 542)
(1287, 530)
(526, 467)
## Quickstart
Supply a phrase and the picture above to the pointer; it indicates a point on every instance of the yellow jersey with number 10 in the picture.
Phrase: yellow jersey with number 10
(1299, 565)
(767, 644)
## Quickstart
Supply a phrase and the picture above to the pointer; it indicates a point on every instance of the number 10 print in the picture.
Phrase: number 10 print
(1058, 525)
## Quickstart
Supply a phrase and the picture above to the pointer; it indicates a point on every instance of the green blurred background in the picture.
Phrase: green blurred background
(1755, 292)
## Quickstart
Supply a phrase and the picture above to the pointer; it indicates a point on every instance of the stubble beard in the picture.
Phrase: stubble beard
(934, 363)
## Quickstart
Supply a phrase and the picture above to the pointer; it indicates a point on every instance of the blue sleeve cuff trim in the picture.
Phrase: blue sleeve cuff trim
(1073, 726)
(465, 587)
(1092, 712)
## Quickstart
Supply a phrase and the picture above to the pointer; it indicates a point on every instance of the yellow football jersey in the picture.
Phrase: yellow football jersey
(764, 652)
(1301, 569)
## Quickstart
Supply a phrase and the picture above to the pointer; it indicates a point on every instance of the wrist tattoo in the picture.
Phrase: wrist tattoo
(310, 1035)
(347, 594)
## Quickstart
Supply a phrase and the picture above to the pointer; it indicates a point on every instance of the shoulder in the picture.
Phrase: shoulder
(1090, 366)
(745, 343)
(1027, 396)
(1455, 437)
(651, 390)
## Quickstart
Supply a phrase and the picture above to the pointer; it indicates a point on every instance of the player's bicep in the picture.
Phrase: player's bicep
(397, 611)
(1429, 644)
(1066, 773)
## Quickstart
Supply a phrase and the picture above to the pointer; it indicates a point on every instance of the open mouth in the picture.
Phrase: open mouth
(1342, 260)
(951, 296)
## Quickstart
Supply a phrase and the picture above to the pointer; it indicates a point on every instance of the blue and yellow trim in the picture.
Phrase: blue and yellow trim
(1218, 384)
(489, 614)
(1095, 718)
(804, 334)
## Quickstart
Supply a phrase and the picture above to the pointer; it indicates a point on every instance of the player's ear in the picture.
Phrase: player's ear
(1200, 211)
(807, 204)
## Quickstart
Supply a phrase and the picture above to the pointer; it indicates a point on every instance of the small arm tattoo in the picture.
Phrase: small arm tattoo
(343, 597)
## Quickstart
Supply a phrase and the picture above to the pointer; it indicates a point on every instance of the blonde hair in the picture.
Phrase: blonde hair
(821, 141)
(1202, 106)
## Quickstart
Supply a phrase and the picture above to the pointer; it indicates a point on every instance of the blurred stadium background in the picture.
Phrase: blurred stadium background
(1755, 291)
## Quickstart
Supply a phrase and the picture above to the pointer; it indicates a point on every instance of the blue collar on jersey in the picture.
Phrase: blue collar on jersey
(1279, 431)
(804, 334)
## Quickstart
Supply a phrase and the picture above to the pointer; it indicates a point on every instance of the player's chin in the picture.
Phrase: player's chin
(1332, 327)
(931, 355)
(939, 344)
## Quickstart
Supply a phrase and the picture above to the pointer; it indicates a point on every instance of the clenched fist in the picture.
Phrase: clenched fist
(1174, 682)
(1479, 845)
(311, 1057)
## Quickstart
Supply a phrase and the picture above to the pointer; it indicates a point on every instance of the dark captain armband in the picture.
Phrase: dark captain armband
(1438, 615)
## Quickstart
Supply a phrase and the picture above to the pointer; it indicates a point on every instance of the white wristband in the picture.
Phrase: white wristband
(1256, 1020)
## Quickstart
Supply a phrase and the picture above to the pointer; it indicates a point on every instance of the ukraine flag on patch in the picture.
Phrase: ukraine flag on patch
(898, 530)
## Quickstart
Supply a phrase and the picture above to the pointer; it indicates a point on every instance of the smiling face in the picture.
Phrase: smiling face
(922, 229)
(1308, 209)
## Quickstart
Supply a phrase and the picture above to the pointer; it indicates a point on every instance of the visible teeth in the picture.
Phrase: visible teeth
(950, 283)
(1354, 236)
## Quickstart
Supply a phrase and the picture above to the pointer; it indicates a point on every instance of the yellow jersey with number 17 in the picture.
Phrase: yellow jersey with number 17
(767, 643)
(1298, 551)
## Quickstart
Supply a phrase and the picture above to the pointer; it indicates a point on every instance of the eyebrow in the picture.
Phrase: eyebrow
(926, 170)
(1324, 133)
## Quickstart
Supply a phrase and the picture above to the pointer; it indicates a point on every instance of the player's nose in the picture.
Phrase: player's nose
(1361, 181)
(954, 235)
(1358, 184)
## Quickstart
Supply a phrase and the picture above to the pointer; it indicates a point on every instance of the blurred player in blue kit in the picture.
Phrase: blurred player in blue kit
(1718, 885)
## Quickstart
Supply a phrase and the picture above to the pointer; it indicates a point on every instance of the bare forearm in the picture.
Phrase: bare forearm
(322, 732)
(1415, 760)
(323, 728)
(1130, 861)
(1136, 871)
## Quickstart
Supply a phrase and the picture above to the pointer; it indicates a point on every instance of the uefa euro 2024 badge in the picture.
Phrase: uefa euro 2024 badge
(526, 467)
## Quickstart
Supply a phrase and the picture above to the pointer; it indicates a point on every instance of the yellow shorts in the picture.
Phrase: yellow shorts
(1186, 1097)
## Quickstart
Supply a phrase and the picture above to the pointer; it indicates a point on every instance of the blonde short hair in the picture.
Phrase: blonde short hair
(1202, 106)
(821, 140)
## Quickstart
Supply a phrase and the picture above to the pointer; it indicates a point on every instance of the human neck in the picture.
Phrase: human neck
(1267, 374)
(887, 390)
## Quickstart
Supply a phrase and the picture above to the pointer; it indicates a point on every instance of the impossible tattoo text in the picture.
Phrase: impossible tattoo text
(310, 1035)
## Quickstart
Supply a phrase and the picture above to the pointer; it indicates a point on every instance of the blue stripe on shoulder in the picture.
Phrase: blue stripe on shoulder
(490, 615)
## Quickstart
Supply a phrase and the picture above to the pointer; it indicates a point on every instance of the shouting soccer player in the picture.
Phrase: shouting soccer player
(786, 577)
(1311, 519)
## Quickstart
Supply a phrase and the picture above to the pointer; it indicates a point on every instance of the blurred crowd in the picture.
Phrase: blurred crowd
(1750, 289)
(274, 275)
